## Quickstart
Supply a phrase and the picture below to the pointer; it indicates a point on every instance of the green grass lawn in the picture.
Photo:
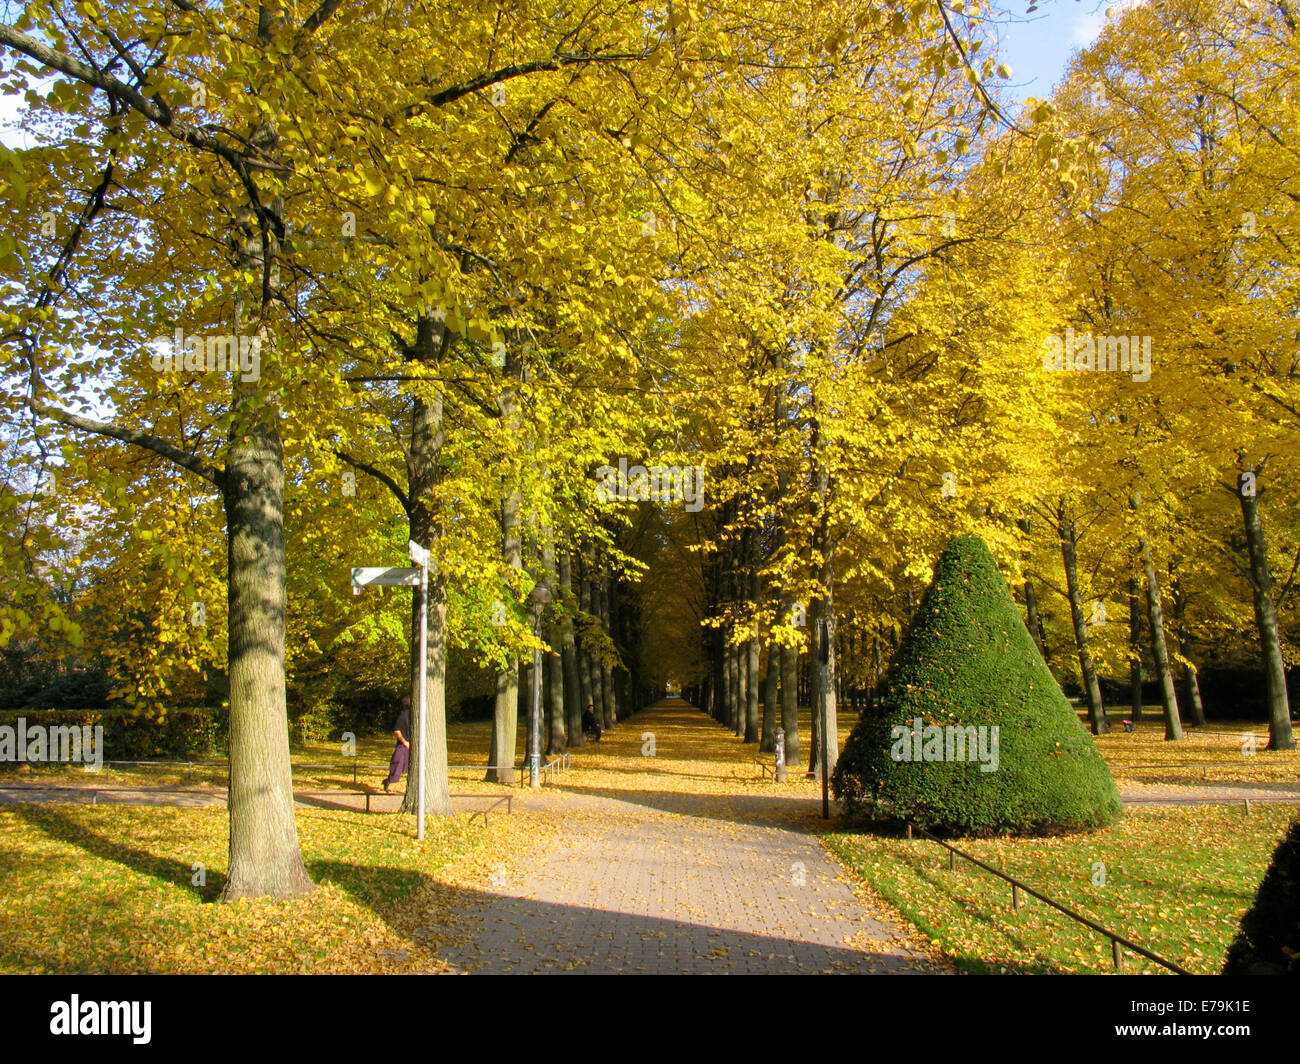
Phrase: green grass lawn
(317, 764)
(1177, 881)
(111, 889)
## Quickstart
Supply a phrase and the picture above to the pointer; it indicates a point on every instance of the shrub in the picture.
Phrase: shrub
(180, 734)
(968, 661)
(1268, 942)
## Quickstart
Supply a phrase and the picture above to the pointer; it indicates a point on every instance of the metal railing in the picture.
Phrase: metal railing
(1118, 943)
(223, 795)
(1206, 766)
(95, 792)
(1271, 799)
(549, 771)
(496, 800)
(354, 764)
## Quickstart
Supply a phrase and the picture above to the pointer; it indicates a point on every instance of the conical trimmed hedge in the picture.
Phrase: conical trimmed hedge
(1268, 942)
(972, 734)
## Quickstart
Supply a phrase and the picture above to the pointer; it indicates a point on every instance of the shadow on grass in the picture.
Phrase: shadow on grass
(377, 887)
(61, 822)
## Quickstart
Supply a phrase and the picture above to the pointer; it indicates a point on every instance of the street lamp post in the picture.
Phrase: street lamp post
(538, 600)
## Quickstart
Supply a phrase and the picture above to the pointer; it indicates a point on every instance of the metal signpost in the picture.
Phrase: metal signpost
(418, 577)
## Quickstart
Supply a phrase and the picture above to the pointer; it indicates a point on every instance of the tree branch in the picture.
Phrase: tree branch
(380, 476)
(157, 444)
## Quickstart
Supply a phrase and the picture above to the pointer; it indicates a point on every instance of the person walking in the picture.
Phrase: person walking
(402, 751)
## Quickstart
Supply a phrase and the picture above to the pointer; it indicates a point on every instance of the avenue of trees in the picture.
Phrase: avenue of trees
(809, 260)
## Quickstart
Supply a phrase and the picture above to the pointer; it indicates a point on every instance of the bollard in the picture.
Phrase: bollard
(780, 755)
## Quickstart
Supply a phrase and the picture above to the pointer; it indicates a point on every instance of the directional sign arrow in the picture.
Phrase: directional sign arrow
(419, 555)
(385, 576)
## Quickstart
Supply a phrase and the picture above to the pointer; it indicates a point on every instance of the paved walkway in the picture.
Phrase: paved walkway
(683, 861)
(648, 879)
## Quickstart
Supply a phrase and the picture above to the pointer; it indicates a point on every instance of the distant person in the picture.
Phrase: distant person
(402, 751)
(590, 725)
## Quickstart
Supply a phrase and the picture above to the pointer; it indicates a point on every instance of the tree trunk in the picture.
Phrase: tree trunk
(558, 740)
(606, 672)
(1191, 685)
(814, 705)
(265, 857)
(718, 660)
(552, 663)
(751, 647)
(825, 611)
(1135, 647)
(589, 645)
(729, 674)
(573, 702)
(1069, 555)
(1034, 621)
(505, 727)
(423, 473)
(790, 702)
(586, 674)
(752, 651)
(878, 660)
(771, 684)
(741, 654)
(505, 717)
(437, 799)
(1159, 648)
(1280, 736)
(423, 469)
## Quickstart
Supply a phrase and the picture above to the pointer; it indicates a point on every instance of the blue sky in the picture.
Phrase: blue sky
(1038, 46)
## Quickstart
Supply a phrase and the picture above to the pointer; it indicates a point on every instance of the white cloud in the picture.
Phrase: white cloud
(1085, 28)
(1088, 24)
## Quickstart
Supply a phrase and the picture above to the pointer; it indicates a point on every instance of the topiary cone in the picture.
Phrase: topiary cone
(998, 748)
